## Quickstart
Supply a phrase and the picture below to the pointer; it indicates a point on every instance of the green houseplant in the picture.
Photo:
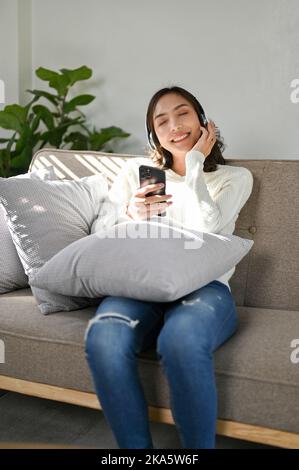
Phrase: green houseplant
(61, 125)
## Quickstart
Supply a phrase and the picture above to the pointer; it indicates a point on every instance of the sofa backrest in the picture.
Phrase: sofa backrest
(268, 276)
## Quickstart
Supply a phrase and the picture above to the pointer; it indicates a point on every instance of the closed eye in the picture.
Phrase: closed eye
(182, 114)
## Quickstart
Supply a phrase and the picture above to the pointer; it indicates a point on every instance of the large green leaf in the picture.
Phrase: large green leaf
(24, 140)
(78, 140)
(40, 93)
(4, 163)
(22, 161)
(98, 139)
(74, 75)
(45, 115)
(29, 105)
(11, 142)
(55, 136)
(35, 139)
(35, 122)
(56, 80)
(80, 100)
(10, 121)
(18, 111)
(46, 74)
(60, 84)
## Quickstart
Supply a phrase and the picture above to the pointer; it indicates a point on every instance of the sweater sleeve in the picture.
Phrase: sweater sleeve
(114, 212)
(212, 214)
(121, 192)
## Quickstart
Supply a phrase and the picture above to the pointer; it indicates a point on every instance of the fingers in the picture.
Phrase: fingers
(211, 137)
(204, 133)
(140, 208)
(210, 132)
(211, 127)
(138, 201)
(157, 198)
(208, 136)
(141, 192)
(146, 211)
(157, 208)
(207, 139)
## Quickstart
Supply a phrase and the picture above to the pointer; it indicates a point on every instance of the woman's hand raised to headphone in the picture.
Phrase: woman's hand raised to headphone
(142, 206)
(207, 139)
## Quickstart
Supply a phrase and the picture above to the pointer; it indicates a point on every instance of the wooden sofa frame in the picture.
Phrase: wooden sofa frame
(227, 428)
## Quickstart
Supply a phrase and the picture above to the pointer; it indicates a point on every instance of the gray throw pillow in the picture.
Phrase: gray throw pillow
(12, 274)
(44, 217)
(144, 260)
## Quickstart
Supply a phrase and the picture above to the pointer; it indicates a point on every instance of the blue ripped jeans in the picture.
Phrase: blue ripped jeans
(186, 332)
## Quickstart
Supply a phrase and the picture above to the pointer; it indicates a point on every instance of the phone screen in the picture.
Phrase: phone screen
(152, 175)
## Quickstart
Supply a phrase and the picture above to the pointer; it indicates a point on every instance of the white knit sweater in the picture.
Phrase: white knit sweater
(204, 201)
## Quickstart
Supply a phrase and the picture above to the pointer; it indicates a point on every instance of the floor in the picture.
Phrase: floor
(36, 420)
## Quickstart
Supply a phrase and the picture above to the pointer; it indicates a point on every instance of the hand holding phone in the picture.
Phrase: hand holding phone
(150, 198)
(151, 175)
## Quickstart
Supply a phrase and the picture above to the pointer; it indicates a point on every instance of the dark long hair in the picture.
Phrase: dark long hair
(162, 157)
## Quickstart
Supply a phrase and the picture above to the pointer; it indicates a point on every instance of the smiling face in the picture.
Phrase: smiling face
(176, 124)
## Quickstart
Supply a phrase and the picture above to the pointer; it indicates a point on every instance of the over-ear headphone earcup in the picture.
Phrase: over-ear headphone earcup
(151, 142)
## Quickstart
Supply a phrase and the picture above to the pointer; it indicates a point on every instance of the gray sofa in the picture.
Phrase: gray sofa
(258, 384)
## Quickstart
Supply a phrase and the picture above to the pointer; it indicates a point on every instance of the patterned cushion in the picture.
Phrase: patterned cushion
(44, 217)
(12, 275)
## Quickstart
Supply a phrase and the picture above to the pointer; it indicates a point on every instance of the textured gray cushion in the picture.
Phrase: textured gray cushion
(145, 260)
(44, 217)
(12, 274)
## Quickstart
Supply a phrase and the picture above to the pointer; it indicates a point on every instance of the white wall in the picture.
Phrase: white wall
(25, 50)
(15, 52)
(9, 52)
(9, 49)
(237, 56)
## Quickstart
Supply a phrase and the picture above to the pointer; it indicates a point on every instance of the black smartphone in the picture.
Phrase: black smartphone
(152, 175)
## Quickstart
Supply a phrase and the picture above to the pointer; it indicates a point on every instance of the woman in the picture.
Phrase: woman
(207, 196)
